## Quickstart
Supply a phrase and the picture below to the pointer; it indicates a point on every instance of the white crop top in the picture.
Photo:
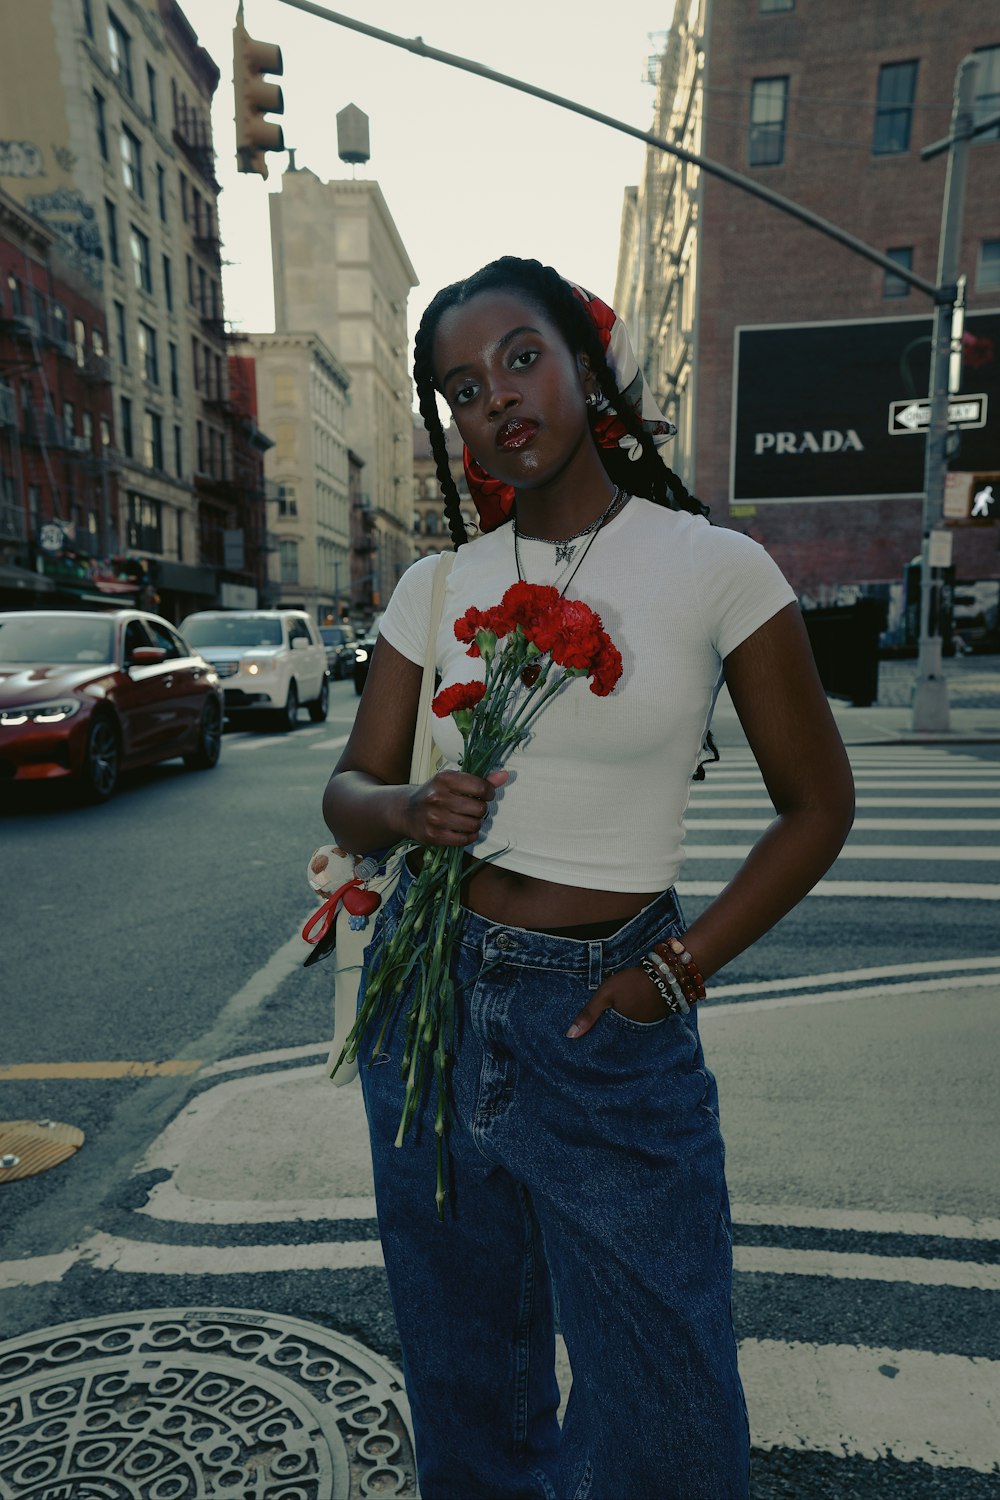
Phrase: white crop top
(597, 795)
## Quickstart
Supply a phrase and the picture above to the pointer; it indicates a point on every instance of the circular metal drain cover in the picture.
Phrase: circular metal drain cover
(177, 1404)
(31, 1146)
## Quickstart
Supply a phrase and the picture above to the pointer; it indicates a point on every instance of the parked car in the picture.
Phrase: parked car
(339, 643)
(86, 694)
(362, 654)
(267, 659)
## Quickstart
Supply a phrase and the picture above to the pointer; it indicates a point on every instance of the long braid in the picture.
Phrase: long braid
(423, 377)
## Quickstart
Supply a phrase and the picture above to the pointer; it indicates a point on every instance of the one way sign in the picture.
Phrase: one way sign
(915, 416)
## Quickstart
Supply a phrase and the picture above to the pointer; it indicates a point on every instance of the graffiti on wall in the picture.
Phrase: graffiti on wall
(68, 214)
(20, 159)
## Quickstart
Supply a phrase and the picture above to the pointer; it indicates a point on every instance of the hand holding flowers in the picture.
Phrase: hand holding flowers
(532, 644)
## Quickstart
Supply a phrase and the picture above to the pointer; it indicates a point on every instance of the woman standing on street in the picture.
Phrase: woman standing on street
(587, 1176)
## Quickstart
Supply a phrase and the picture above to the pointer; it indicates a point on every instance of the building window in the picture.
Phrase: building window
(148, 353)
(87, 428)
(141, 268)
(125, 412)
(202, 292)
(80, 341)
(897, 86)
(175, 376)
(152, 440)
(196, 363)
(200, 446)
(105, 432)
(111, 221)
(768, 6)
(987, 100)
(121, 335)
(190, 279)
(896, 286)
(60, 326)
(120, 50)
(988, 274)
(284, 387)
(168, 283)
(143, 523)
(154, 112)
(161, 193)
(288, 504)
(178, 460)
(88, 19)
(768, 109)
(69, 421)
(185, 198)
(39, 310)
(288, 554)
(97, 341)
(131, 148)
(102, 126)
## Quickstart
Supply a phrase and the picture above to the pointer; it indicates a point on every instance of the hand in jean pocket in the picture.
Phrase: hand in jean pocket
(629, 992)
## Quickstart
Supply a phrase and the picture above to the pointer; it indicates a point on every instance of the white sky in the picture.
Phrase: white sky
(470, 170)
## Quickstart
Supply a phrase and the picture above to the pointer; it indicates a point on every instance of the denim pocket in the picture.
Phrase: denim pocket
(631, 1025)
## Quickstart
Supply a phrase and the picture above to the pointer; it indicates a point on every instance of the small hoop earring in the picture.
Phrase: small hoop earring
(593, 399)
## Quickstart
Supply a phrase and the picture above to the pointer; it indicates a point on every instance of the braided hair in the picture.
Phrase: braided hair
(645, 475)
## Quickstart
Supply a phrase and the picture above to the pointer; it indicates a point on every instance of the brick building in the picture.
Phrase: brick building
(58, 491)
(779, 353)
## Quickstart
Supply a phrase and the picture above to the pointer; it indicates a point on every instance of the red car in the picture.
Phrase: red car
(88, 694)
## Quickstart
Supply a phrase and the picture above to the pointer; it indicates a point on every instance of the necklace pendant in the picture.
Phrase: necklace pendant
(564, 552)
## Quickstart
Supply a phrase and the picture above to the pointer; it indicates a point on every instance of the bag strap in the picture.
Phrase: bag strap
(423, 740)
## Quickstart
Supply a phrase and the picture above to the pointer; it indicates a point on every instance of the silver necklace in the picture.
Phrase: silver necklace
(619, 500)
(565, 547)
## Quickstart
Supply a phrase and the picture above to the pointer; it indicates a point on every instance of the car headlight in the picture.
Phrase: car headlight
(360, 655)
(41, 713)
(253, 667)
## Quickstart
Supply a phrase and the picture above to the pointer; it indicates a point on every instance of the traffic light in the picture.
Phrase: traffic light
(255, 98)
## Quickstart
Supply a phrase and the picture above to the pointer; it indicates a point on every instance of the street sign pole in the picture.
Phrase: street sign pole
(930, 693)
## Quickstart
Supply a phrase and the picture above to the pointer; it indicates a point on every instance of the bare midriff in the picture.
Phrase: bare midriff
(524, 901)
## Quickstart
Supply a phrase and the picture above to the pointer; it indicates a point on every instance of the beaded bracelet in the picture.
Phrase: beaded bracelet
(683, 964)
(680, 994)
(666, 994)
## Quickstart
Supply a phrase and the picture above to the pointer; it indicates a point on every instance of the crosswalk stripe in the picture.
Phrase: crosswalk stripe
(924, 853)
(934, 1409)
(773, 1260)
(915, 783)
(849, 976)
(870, 802)
(908, 890)
(874, 825)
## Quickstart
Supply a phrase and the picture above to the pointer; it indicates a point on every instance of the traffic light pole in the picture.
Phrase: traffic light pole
(930, 694)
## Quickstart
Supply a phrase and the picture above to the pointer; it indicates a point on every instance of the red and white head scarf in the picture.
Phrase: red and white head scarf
(494, 500)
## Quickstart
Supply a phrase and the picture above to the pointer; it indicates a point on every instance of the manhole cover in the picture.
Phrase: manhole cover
(178, 1404)
(31, 1146)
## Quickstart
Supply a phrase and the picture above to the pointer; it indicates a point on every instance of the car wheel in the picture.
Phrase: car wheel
(206, 753)
(288, 716)
(102, 759)
(320, 707)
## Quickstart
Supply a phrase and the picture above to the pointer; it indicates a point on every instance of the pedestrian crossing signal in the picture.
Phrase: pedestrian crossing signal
(972, 499)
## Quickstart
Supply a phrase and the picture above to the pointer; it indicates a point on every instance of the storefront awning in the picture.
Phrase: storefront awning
(23, 579)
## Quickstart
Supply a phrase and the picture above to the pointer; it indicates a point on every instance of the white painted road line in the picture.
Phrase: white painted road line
(865, 1221)
(333, 744)
(873, 992)
(906, 890)
(947, 802)
(918, 783)
(871, 825)
(108, 1252)
(937, 1409)
(921, 853)
(850, 976)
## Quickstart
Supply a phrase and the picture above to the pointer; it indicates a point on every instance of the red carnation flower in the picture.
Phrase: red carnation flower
(607, 670)
(460, 695)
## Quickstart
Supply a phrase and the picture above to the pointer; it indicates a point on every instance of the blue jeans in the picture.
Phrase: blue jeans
(587, 1183)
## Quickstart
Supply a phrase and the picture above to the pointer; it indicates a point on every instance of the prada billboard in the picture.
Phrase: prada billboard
(814, 403)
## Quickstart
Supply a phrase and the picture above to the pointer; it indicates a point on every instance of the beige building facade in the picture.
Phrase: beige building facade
(341, 268)
(302, 403)
(105, 134)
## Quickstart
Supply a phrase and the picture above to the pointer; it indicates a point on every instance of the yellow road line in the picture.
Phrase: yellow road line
(171, 1068)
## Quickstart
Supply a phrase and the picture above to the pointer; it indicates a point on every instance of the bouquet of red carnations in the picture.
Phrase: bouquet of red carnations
(532, 644)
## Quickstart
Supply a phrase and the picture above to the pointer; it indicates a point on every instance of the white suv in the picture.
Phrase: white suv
(271, 659)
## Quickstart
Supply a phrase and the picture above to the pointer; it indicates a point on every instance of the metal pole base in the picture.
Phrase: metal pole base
(930, 706)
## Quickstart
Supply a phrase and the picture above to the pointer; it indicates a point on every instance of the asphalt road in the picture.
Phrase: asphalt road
(148, 953)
